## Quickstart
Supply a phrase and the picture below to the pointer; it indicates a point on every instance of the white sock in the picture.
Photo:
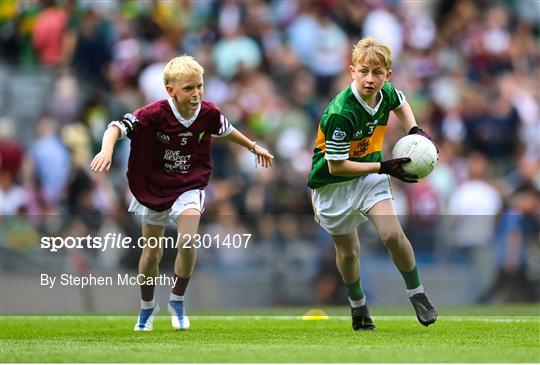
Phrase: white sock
(176, 297)
(357, 303)
(148, 305)
(412, 292)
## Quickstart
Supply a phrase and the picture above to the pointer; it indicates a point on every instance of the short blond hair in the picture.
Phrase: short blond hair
(370, 50)
(180, 67)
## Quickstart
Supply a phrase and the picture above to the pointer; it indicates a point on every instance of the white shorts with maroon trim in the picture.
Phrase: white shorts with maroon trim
(192, 199)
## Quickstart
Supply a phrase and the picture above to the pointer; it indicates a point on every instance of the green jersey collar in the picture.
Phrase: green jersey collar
(370, 110)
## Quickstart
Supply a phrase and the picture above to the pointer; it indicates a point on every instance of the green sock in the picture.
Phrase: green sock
(354, 290)
(412, 281)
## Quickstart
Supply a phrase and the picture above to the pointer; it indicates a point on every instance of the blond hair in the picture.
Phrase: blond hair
(180, 67)
(370, 50)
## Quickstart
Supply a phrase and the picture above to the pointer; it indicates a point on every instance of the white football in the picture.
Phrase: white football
(420, 150)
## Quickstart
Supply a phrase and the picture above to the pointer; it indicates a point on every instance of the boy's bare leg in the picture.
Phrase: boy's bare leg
(347, 256)
(384, 218)
(151, 256)
(347, 260)
(188, 225)
(149, 267)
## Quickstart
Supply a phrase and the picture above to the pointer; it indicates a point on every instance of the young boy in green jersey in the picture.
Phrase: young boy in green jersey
(350, 179)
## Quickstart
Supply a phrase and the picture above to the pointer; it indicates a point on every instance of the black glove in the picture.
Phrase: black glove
(417, 130)
(394, 168)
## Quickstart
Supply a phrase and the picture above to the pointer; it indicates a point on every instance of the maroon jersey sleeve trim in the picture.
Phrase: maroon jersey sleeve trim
(226, 127)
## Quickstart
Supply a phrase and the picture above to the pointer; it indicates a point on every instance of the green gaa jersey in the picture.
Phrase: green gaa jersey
(351, 130)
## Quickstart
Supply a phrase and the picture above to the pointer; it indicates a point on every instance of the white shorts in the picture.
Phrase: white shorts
(192, 199)
(340, 208)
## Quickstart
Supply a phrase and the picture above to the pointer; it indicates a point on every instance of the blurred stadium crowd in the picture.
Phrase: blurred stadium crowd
(470, 70)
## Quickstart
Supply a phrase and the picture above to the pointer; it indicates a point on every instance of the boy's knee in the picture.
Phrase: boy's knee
(186, 246)
(351, 255)
(393, 237)
(151, 258)
(187, 250)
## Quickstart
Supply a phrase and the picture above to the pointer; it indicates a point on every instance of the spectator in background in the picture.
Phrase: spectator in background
(127, 53)
(235, 53)
(520, 90)
(321, 45)
(518, 229)
(63, 103)
(51, 162)
(425, 204)
(526, 173)
(382, 24)
(16, 32)
(92, 53)
(150, 78)
(12, 195)
(473, 209)
(494, 130)
(48, 36)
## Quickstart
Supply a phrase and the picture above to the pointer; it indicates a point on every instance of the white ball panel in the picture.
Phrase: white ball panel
(420, 150)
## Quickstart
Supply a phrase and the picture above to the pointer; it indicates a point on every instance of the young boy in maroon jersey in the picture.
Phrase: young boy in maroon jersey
(169, 166)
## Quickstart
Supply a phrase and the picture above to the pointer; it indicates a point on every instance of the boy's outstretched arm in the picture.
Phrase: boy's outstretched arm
(405, 116)
(102, 161)
(408, 122)
(264, 158)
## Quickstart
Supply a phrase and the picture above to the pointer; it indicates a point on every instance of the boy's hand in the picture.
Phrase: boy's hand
(394, 168)
(264, 158)
(417, 130)
(102, 162)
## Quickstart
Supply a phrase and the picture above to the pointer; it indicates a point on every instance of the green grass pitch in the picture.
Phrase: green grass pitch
(454, 338)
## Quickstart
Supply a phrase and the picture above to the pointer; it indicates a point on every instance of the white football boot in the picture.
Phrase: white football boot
(179, 318)
(145, 321)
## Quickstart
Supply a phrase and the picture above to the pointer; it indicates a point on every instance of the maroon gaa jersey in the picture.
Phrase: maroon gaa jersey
(169, 154)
